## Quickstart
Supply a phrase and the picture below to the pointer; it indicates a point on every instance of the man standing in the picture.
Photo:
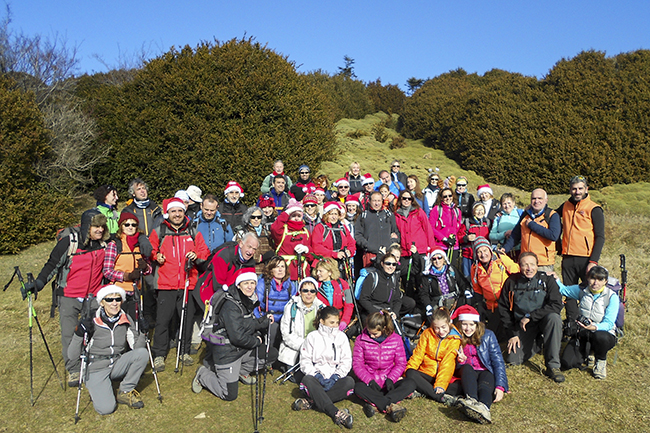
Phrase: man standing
(232, 210)
(538, 229)
(384, 177)
(465, 199)
(431, 191)
(280, 196)
(194, 193)
(583, 237)
(106, 197)
(397, 176)
(375, 230)
(215, 230)
(530, 306)
(175, 244)
(149, 213)
(304, 185)
(278, 170)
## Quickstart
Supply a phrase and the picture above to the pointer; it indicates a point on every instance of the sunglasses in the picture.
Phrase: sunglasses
(129, 224)
(310, 205)
(396, 166)
(407, 198)
(435, 259)
(304, 172)
(111, 300)
(447, 196)
(307, 290)
(390, 263)
(344, 187)
(256, 217)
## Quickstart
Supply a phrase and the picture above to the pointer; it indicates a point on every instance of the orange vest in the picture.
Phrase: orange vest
(489, 282)
(578, 228)
(532, 242)
(127, 261)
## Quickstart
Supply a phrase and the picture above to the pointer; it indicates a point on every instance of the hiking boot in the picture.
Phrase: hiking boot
(473, 410)
(450, 400)
(159, 364)
(396, 413)
(555, 374)
(73, 379)
(369, 410)
(247, 379)
(591, 361)
(196, 385)
(600, 369)
(416, 394)
(131, 399)
(187, 360)
(301, 404)
(194, 348)
(344, 418)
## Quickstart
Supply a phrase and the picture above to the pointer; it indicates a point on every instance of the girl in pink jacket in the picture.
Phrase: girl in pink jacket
(379, 361)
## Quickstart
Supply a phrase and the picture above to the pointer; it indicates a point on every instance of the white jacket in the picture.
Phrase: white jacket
(326, 351)
(293, 334)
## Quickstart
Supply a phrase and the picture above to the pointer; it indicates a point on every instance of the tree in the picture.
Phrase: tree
(348, 98)
(389, 98)
(347, 70)
(414, 84)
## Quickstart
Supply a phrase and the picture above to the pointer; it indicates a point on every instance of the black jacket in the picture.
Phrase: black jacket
(232, 213)
(380, 291)
(459, 289)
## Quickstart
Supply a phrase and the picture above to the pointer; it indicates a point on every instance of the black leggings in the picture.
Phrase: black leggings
(600, 342)
(382, 399)
(476, 384)
(324, 400)
(424, 384)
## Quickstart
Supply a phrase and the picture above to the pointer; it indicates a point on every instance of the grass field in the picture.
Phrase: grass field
(535, 404)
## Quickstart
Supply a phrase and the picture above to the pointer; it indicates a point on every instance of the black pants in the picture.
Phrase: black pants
(382, 399)
(424, 384)
(476, 384)
(600, 342)
(574, 270)
(170, 303)
(495, 325)
(324, 400)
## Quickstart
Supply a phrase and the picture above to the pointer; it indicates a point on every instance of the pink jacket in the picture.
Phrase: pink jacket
(378, 361)
(416, 229)
(444, 225)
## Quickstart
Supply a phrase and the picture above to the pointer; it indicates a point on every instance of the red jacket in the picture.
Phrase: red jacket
(175, 246)
(341, 299)
(472, 226)
(415, 228)
(322, 240)
(286, 235)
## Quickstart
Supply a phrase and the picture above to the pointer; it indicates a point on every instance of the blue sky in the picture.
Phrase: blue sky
(391, 40)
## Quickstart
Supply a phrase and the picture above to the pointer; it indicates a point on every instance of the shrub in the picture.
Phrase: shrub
(389, 98)
(348, 98)
(379, 131)
(397, 142)
(357, 133)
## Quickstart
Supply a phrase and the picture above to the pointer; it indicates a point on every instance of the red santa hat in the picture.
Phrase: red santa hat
(367, 179)
(171, 203)
(353, 198)
(319, 190)
(330, 206)
(245, 274)
(484, 188)
(466, 313)
(234, 186)
(342, 182)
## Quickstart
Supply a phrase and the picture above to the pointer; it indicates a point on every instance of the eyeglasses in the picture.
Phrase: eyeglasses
(344, 187)
(310, 205)
(390, 263)
(307, 290)
(435, 179)
(435, 259)
(461, 185)
(407, 198)
(111, 300)
(396, 166)
(447, 196)
(305, 172)
(256, 217)
(129, 224)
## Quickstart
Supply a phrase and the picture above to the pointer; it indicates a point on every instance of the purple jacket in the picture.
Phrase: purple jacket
(378, 361)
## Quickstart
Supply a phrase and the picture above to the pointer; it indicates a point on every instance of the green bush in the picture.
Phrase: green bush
(357, 133)
(379, 131)
(389, 98)
(397, 142)
(31, 213)
(204, 116)
(348, 98)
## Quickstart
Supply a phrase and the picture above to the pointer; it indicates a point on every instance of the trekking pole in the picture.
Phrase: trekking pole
(181, 330)
(256, 407)
(623, 281)
(138, 311)
(84, 356)
(408, 273)
(266, 367)
(32, 317)
(287, 373)
(299, 259)
(354, 299)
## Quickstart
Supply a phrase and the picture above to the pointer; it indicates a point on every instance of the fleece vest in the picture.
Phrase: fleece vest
(543, 248)
(578, 228)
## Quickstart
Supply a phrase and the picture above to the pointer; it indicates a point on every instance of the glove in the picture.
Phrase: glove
(342, 326)
(132, 276)
(142, 264)
(32, 287)
(429, 310)
(85, 327)
(329, 383)
(389, 385)
(143, 324)
(320, 378)
(374, 385)
(301, 249)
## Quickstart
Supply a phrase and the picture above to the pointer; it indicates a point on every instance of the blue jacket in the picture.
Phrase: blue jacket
(552, 232)
(394, 188)
(277, 298)
(490, 355)
(215, 232)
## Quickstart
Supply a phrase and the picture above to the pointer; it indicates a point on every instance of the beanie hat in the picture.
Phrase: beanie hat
(367, 179)
(234, 186)
(245, 274)
(293, 206)
(265, 200)
(110, 289)
(480, 242)
(101, 192)
(309, 199)
(126, 215)
(307, 280)
(194, 192)
(466, 313)
(484, 188)
(461, 178)
(330, 206)
(304, 167)
(182, 194)
(171, 203)
(342, 182)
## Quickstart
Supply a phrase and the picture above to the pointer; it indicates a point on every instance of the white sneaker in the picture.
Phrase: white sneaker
(600, 369)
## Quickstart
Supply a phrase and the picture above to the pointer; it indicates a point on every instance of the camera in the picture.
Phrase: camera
(584, 320)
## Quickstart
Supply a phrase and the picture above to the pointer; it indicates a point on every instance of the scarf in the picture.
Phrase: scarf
(142, 204)
(328, 291)
(404, 211)
(110, 321)
(105, 205)
(132, 240)
(441, 276)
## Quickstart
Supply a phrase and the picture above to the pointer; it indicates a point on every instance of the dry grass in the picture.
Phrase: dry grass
(535, 405)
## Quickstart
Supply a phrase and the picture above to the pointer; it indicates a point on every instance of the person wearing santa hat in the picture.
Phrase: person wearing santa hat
(292, 238)
(480, 376)
(232, 209)
(241, 337)
(352, 212)
(486, 196)
(333, 239)
(342, 190)
(304, 185)
(368, 184)
(176, 246)
(278, 170)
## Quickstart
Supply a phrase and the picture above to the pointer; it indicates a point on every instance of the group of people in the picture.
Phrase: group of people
(289, 281)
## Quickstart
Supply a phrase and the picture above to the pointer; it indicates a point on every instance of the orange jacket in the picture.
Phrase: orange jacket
(578, 228)
(436, 357)
(489, 282)
(530, 241)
